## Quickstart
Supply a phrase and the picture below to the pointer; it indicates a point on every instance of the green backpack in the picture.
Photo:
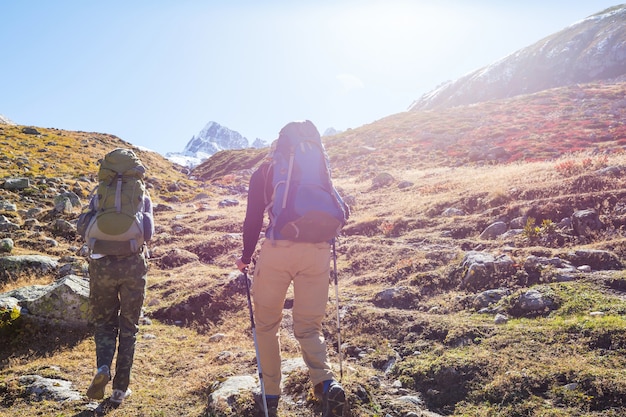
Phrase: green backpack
(119, 225)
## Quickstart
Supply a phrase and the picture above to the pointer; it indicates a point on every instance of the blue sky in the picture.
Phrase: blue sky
(155, 72)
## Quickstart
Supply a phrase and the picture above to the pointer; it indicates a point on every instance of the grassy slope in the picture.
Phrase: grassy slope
(457, 360)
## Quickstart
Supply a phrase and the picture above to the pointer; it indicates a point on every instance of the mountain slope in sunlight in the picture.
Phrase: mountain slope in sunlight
(592, 49)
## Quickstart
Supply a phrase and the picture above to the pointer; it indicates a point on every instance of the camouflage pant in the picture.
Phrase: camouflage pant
(117, 286)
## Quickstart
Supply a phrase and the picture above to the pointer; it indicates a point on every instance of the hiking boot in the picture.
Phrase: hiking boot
(117, 396)
(272, 407)
(333, 400)
(100, 381)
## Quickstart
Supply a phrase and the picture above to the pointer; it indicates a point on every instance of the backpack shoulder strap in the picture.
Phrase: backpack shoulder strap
(266, 172)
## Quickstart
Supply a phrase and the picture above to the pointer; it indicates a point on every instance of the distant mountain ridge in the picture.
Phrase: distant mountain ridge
(589, 50)
(214, 138)
(5, 121)
(210, 140)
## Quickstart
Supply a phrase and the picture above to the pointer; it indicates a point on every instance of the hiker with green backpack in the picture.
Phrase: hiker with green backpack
(305, 214)
(116, 227)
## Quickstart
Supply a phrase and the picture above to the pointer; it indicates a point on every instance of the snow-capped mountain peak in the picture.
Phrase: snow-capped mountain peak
(214, 138)
(5, 121)
(210, 140)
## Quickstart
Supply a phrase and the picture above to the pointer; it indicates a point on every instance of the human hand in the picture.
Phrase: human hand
(243, 267)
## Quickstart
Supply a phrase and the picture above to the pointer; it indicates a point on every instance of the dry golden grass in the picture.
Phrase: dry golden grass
(25, 281)
(440, 186)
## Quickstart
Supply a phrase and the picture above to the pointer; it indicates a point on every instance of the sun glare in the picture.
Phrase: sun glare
(394, 32)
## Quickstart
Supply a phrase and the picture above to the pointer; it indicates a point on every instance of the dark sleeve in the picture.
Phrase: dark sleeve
(255, 211)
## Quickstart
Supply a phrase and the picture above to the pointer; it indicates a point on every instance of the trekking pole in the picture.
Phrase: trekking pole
(338, 322)
(256, 344)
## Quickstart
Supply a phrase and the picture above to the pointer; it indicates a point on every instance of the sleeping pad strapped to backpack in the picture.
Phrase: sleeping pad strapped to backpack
(305, 206)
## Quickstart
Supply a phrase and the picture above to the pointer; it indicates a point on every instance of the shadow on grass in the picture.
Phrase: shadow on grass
(86, 413)
(104, 408)
(25, 339)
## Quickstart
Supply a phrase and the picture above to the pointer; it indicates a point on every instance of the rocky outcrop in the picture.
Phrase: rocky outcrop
(586, 222)
(485, 270)
(64, 302)
(12, 267)
(39, 388)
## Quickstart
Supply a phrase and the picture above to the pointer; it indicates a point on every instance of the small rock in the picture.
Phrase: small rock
(500, 319)
(228, 203)
(6, 245)
(224, 356)
(494, 230)
(218, 337)
(451, 212)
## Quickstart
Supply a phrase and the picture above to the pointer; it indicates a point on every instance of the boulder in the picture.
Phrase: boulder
(67, 202)
(6, 245)
(16, 183)
(489, 297)
(7, 226)
(229, 202)
(554, 269)
(13, 266)
(399, 297)
(177, 257)
(595, 258)
(452, 211)
(228, 391)
(586, 222)
(484, 270)
(381, 180)
(494, 230)
(405, 184)
(7, 206)
(30, 131)
(64, 302)
(61, 227)
(532, 302)
(39, 388)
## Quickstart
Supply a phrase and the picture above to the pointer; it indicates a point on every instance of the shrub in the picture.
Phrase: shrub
(8, 315)
(531, 232)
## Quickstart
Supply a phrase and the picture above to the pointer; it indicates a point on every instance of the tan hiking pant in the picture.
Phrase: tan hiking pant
(307, 265)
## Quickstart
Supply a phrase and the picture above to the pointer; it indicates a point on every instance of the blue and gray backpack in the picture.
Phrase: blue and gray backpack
(305, 206)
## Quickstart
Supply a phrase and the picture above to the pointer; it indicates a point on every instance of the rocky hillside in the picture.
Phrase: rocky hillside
(468, 285)
(592, 49)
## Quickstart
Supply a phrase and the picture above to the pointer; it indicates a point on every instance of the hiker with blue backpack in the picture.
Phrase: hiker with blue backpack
(305, 214)
(116, 227)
